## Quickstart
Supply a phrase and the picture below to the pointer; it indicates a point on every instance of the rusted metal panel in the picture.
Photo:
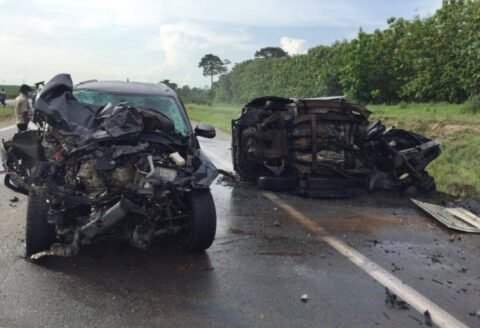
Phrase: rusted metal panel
(456, 218)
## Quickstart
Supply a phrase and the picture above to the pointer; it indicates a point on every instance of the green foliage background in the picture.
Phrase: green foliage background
(11, 90)
(430, 59)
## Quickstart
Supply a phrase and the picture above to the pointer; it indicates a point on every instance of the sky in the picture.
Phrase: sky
(153, 40)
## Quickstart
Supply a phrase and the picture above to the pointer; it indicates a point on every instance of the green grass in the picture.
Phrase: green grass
(6, 112)
(10, 90)
(219, 116)
(457, 170)
(427, 112)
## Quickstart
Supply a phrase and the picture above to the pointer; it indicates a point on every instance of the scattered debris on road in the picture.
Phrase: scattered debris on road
(456, 218)
(394, 301)
(436, 258)
(475, 313)
(374, 242)
(428, 318)
(437, 281)
(227, 178)
(277, 223)
(416, 319)
(304, 298)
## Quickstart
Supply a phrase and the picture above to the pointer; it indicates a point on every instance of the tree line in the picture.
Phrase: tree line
(423, 59)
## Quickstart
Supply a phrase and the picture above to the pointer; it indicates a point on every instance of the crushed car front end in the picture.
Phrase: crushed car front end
(95, 172)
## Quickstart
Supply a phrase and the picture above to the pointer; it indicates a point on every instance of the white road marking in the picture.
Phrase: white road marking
(8, 128)
(439, 316)
(31, 126)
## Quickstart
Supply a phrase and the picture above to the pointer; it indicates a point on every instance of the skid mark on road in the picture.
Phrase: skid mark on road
(439, 316)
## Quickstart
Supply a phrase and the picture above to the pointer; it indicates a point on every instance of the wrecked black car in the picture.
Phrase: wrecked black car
(111, 160)
(326, 147)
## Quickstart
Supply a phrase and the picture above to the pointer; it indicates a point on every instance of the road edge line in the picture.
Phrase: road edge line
(8, 128)
(421, 303)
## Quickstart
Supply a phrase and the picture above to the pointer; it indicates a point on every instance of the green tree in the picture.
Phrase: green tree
(212, 65)
(271, 52)
(436, 58)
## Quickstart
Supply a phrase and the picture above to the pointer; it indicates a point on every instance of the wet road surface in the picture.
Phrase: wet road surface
(263, 260)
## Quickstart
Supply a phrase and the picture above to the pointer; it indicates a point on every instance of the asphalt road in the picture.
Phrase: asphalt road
(270, 249)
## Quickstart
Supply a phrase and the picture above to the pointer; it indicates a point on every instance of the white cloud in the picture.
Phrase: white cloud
(179, 41)
(157, 39)
(293, 46)
(181, 45)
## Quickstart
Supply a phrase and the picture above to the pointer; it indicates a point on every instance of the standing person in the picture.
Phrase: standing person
(23, 109)
(3, 97)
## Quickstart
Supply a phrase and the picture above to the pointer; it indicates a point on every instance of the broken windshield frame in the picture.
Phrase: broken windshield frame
(162, 104)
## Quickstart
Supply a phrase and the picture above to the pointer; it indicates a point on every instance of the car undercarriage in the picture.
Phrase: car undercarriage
(327, 147)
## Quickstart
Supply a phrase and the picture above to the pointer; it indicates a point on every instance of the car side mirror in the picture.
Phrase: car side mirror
(205, 130)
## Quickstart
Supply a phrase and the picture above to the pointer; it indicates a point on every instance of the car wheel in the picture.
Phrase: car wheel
(277, 183)
(426, 184)
(203, 224)
(39, 234)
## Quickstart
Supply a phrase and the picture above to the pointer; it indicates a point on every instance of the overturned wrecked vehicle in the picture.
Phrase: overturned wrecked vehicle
(326, 147)
(114, 160)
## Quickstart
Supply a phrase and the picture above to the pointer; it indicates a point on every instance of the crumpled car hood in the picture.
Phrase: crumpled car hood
(82, 121)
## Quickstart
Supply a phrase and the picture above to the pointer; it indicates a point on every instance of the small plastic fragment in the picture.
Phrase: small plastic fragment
(304, 298)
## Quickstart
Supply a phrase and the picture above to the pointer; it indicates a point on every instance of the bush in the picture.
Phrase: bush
(473, 104)
(403, 105)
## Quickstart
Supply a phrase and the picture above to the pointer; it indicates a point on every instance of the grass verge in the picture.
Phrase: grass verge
(457, 170)
(6, 112)
(10, 89)
(219, 116)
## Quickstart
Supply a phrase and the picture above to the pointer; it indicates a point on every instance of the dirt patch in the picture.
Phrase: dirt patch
(440, 128)
(450, 128)
(7, 121)
(367, 223)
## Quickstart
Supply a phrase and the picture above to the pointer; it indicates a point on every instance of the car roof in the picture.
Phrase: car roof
(140, 88)
(326, 98)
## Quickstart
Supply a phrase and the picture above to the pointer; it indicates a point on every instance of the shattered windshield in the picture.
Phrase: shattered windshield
(162, 104)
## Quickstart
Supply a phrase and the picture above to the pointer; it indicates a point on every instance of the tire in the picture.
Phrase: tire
(39, 234)
(277, 183)
(426, 185)
(203, 223)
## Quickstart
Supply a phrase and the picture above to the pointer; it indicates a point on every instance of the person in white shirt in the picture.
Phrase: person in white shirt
(23, 109)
